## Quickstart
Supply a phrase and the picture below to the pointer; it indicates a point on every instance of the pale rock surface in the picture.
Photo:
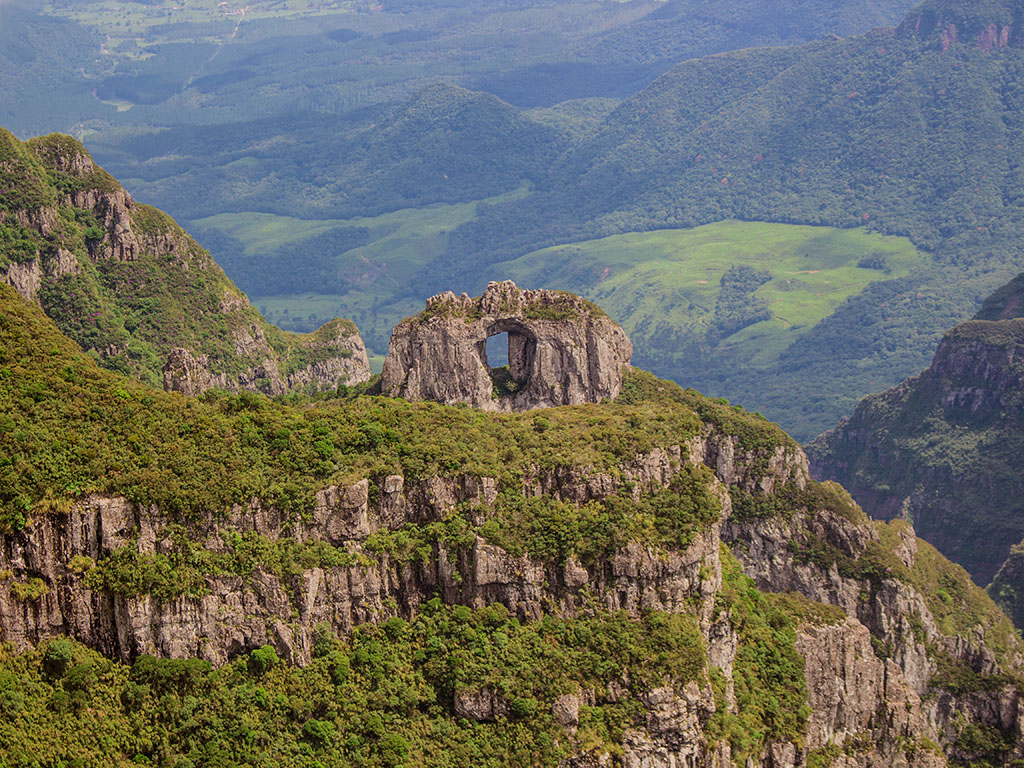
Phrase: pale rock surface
(562, 351)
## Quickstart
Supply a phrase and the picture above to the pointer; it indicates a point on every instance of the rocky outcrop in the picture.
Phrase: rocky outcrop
(150, 285)
(236, 614)
(185, 373)
(990, 26)
(870, 667)
(336, 355)
(875, 673)
(1007, 588)
(942, 450)
(562, 351)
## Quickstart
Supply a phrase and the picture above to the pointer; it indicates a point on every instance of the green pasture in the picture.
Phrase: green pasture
(401, 242)
(672, 278)
(662, 286)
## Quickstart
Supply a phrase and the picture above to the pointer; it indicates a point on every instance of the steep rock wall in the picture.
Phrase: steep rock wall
(942, 450)
(869, 707)
(562, 351)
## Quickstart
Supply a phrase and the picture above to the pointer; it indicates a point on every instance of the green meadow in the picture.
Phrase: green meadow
(662, 286)
(672, 279)
(400, 243)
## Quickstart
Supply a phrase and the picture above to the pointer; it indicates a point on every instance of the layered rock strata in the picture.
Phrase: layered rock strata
(871, 668)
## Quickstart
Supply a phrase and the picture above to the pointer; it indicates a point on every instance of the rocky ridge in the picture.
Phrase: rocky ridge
(130, 286)
(562, 351)
(990, 26)
(872, 668)
(941, 450)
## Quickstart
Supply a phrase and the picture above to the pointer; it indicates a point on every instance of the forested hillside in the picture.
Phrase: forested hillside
(943, 449)
(444, 145)
(135, 291)
(367, 581)
(889, 133)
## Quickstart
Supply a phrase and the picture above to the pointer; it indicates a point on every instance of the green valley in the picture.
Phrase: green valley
(744, 289)
(369, 283)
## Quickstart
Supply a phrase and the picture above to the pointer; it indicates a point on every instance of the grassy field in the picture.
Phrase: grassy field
(174, 20)
(662, 286)
(401, 242)
(648, 281)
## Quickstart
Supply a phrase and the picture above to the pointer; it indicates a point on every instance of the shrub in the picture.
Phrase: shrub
(58, 656)
(263, 660)
(393, 749)
(80, 564)
(32, 589)
(318, 732)
(523, 708)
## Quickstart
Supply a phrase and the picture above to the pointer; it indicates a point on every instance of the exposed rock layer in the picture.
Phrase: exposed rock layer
(874, 709)
(991, 26)
(562, 351)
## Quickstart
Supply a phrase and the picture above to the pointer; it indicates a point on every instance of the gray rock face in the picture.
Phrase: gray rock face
(562, 351)
(875, 711)
(338, 357)
(480, 704)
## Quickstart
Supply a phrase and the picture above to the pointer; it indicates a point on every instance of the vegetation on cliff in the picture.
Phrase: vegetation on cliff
(383, 697)
(943, 449)
(446, 684)
(70, 428)
(125, 281)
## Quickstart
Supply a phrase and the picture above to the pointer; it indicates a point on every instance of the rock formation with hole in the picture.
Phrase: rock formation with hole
(562, 351)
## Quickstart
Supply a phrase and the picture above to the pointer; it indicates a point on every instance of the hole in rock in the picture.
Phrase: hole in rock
(497, 350)
(509, 357)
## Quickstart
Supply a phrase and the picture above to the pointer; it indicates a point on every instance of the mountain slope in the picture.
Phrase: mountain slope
(538, 588)
(889, 132)
(43, 65)
(943, 449)
(443, 145)
(130, 286)
(688, 29)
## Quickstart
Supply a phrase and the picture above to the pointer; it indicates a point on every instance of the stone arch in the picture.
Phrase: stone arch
(562, 351)
(522, 356)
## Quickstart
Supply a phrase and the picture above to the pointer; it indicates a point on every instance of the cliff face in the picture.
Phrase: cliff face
(562, 351)
(653, 581)
(990, 25)
(942, 450)
(874, 668)
(131, 287)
